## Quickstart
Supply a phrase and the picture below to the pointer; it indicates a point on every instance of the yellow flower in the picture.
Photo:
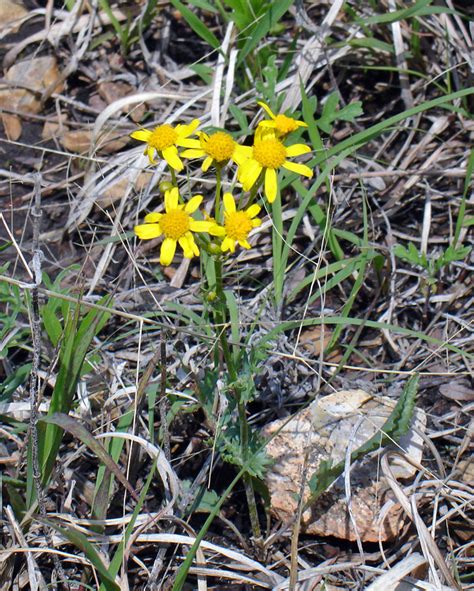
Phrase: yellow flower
(217, 148)
(269, 154)
(176, 224)
(237, 224)
(164, 141)
(282, 124)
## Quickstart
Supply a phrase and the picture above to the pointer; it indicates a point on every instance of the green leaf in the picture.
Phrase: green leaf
(79, 540)
(73, 426)
(394, 427)
(203, 71)
(241, 119)
(350, 112)
(76, 339)
(13, 381)
(196, 24)
(264, 23)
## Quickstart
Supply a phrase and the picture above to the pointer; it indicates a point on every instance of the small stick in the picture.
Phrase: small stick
(34, 374)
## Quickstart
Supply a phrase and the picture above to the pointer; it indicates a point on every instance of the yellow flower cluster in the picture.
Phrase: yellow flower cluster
(257, 165)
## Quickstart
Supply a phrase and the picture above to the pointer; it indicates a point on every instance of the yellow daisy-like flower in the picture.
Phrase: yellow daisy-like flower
(282, 124)
(217, 148)
(164, 141)
(237, 224)
(268, 154)
(176, 224)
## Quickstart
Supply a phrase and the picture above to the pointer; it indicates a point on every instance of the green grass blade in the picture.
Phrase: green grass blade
(266, 21)
(79, 540)
(196, 24)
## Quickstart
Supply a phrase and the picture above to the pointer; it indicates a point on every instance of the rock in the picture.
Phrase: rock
(12, 126)
(323, 432)
(36, 75)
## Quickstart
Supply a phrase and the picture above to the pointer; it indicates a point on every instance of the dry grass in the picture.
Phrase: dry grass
(158, 342)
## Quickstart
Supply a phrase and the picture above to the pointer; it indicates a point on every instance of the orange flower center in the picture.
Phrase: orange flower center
(237, 225)
(174, 224)
(269, 153)
(219, 146)
(284, 124)
(163, 137)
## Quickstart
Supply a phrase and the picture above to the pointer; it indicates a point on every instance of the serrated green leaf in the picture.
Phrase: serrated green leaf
(350, 112)
(394, 427)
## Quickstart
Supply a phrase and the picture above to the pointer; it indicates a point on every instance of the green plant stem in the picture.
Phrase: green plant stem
(173, 176)
(217, 205)
(221, 317)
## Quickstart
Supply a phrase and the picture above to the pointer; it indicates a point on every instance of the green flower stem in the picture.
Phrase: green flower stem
(277, 245)
(221, 318)
(217, 207)
(173, 176)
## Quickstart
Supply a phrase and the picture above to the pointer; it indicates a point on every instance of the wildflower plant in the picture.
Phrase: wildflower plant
(216, 226)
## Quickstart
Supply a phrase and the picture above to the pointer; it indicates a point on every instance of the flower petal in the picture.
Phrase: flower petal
(153, 217)
(190, 143)
(297, 150)
(229, 203)
(207, 163)
(171, 199)
(147, 231)
(256, 222)
(171, 156)
(267, 123)
(193, 153)
(143, 135)
(193, 204)
(228, 244)
(245, 244)
(298, 168)
(271, 184)
(200, 226)
(267, 109)
(249, 173)
(151, 154)
(216, 230)
(253, 210)
(184, 130)
(168, 248)
(241, 154)
(188, 245)
(187, 248)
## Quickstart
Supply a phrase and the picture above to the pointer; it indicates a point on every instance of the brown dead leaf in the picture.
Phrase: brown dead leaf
(53, 128)
(324, 431)
(113, 91)
(79, 141)
(12, 126)
(460, 391)
(317, 338)
(76, 140)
